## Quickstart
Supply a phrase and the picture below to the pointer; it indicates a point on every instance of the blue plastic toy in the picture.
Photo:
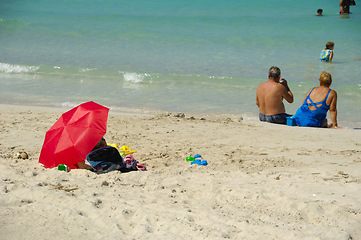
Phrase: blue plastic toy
(200, 162)
(291, 121)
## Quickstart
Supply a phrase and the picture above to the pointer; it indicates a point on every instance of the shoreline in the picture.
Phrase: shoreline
(349, 125)
(128, 111)
(262, 181)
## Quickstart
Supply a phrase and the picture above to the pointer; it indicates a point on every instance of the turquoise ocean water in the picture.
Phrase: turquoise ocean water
(198, 57)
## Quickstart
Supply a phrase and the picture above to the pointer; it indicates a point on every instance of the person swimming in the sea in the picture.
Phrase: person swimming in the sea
(319, 12)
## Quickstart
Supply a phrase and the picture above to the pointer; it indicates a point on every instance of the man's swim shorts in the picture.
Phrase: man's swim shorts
(278, 118)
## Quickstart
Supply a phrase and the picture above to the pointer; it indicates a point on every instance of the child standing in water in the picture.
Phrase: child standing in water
(327, 54)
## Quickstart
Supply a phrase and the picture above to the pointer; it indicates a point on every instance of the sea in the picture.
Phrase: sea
(199, 57)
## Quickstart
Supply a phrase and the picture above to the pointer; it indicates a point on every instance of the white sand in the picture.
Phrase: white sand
(263, 181)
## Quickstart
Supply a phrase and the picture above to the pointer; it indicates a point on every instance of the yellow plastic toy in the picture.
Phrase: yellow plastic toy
(126, 150)
(113, 145)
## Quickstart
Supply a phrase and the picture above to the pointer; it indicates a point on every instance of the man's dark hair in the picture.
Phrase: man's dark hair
(274, 72)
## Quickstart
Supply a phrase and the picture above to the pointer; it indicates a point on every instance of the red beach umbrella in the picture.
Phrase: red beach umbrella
(74, 135)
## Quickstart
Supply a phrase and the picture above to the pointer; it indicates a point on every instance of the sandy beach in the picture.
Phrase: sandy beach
(262, 181)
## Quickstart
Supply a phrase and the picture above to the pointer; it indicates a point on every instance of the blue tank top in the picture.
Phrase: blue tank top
(312, 118)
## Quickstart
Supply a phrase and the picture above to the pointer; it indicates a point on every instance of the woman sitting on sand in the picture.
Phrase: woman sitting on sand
(316, 104)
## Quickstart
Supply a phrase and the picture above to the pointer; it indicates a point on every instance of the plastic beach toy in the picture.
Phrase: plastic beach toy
(197, 159)
(113, 145)
(291, 121)
(63, 167)
(126, 150)
(200, 162)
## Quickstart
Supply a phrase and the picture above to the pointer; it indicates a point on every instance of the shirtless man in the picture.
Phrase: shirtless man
(270, 95)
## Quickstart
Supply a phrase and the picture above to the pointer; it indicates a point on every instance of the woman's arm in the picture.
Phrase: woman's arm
(333, 109)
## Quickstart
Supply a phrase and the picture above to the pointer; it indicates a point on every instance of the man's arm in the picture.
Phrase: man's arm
(287, 94)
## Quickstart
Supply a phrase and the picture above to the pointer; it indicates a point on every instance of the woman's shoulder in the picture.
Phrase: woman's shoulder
(333, 92)
(320, 90)
(331, 95)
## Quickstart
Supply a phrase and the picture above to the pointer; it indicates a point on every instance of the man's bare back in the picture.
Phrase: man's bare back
(270, 94)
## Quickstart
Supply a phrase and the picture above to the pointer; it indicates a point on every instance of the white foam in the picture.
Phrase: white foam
(66, 104)
(134, 77)
(86, 69)
(9, 68)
